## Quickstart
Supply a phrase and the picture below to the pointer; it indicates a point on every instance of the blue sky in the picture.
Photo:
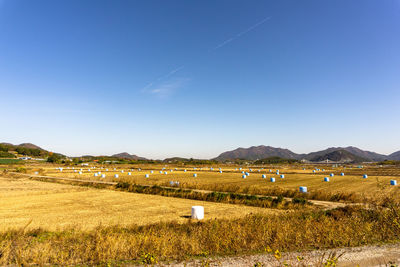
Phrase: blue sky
(195, 78)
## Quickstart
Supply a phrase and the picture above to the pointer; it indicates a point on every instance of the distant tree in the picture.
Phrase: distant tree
(6, 155)
(55, 158)
(3, 148)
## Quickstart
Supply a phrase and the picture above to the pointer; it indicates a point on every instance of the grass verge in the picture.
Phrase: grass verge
(295, 231)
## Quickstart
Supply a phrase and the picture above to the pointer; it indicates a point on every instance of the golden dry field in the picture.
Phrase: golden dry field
(378, 181)
(50, 221)
(58, 206)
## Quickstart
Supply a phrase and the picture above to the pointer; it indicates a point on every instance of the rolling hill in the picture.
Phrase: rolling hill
(126, 155)
(394, 156)
(341, 155)
(257, 152)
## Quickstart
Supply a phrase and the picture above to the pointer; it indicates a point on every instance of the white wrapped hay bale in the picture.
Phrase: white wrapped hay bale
(365, 176)
(393, 182)
(194, 174)
(282, 176)
(326, 179)
(116, 176)
(272, 180)
(197, 212)
(244, 176)
(95, 175)
(103, 176)
(151, 172)
(129, 173)
(80, 172)
(342, 174)
(147, 176)
(331, 174)
(303, 189)
(263, 176)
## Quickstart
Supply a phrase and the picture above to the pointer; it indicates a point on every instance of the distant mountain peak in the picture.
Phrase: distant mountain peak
(340, 155)
(343, 154)
(30, 145)
(257, 152)
(126, 155)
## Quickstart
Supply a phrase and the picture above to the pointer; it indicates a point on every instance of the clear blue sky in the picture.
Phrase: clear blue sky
(195, 78)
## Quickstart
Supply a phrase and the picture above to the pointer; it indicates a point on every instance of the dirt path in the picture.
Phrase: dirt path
(386, 255)
(319, 203)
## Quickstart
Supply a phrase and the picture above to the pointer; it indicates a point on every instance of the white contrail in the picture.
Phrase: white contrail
(162, 77)
(227, 41)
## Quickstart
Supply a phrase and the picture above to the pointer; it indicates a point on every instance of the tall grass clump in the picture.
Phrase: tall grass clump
(294, 231)
(231, 198)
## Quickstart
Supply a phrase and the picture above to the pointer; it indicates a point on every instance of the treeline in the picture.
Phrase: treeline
(231, 198)
(117, 160)
(32, 152)
(389, 162)
(190, 161)
(111, 160)
(4, 154)
(276, 160)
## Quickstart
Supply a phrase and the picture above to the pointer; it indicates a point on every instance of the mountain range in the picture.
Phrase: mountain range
(126, 155)
(338, 154)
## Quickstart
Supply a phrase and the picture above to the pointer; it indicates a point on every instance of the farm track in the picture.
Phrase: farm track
(319, 203)
(368, 256)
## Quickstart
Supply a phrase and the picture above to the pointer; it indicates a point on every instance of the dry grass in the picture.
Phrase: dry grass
(57, 206)
(66, 230)
(296, 231)
(351, 187)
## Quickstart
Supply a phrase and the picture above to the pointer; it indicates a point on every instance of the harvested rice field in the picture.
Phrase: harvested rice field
(352, 183)
(53, 206)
